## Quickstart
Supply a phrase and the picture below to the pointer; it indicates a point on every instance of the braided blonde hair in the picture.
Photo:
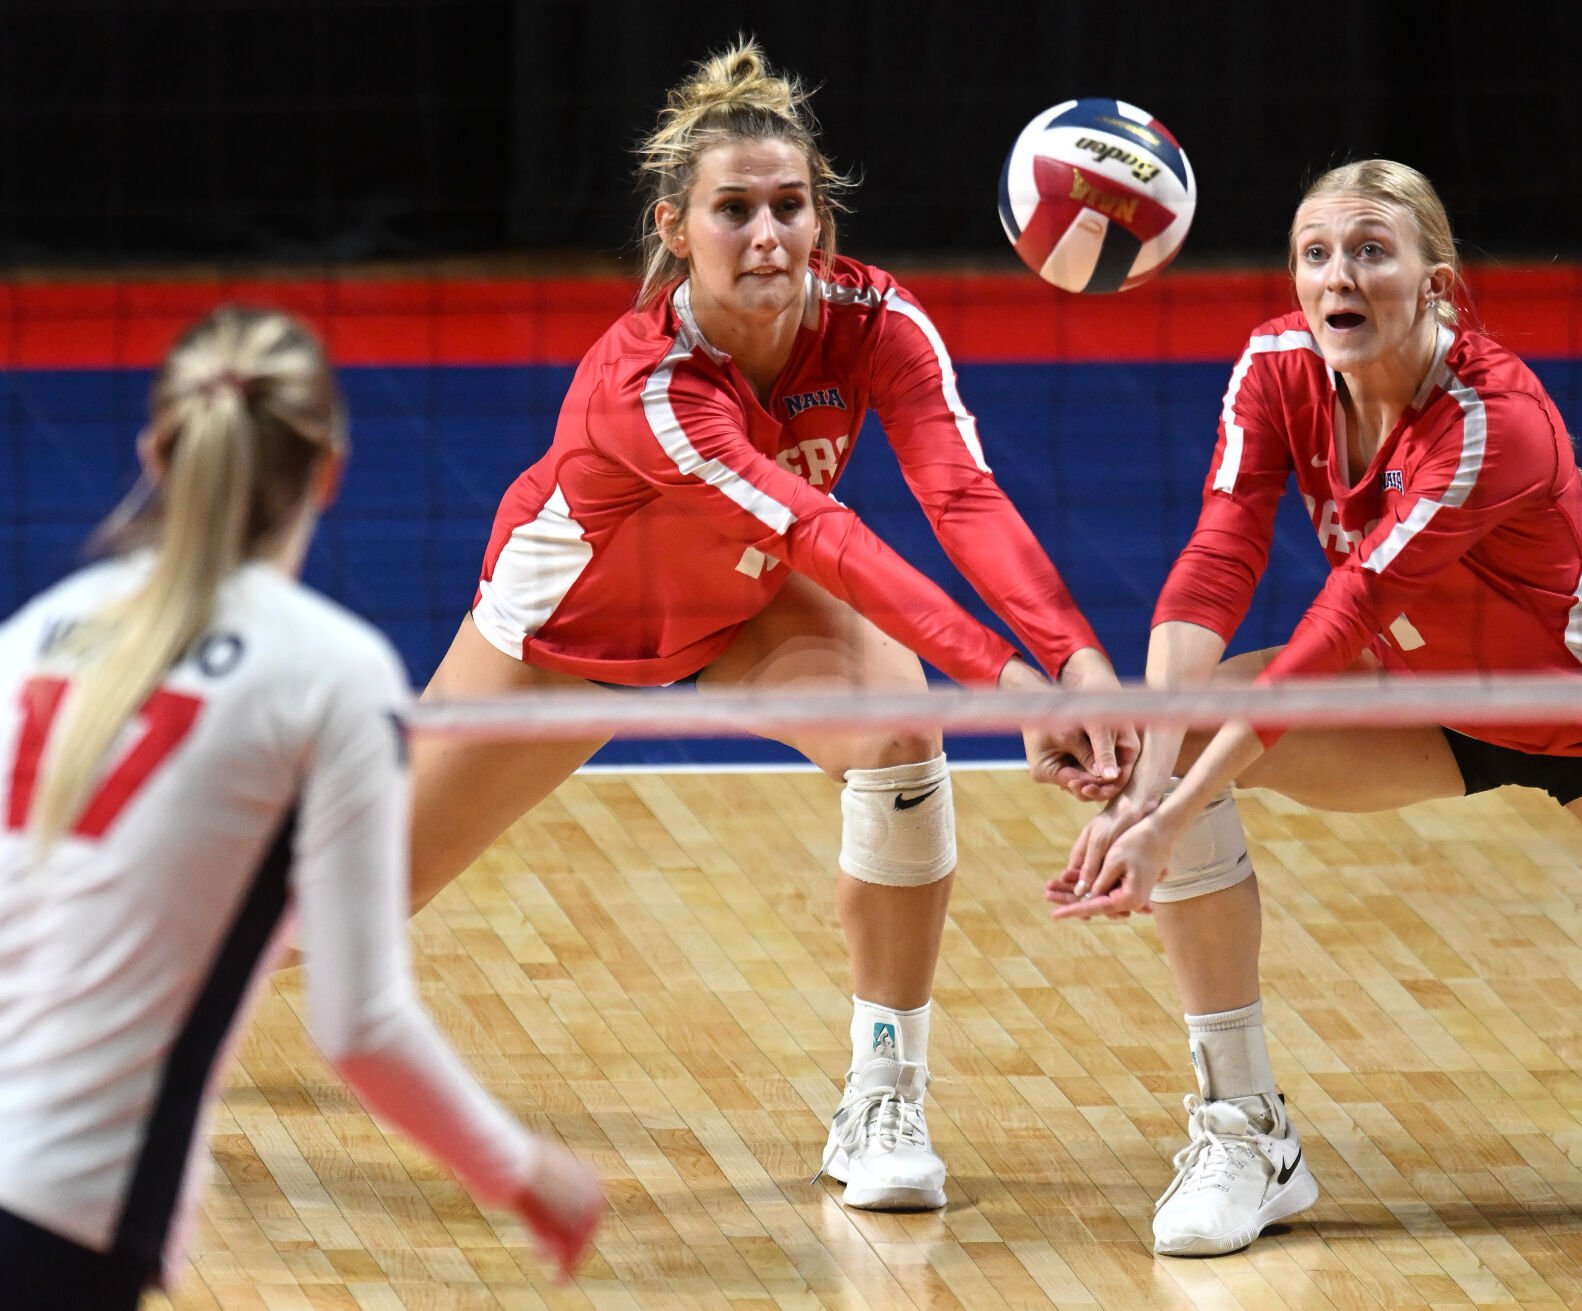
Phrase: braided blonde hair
(1401, 185)
(242, 414)
(732, 96)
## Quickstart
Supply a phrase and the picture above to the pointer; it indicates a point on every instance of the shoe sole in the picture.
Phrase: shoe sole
(894, 1199)
(881, 1199)
(1301, 1194)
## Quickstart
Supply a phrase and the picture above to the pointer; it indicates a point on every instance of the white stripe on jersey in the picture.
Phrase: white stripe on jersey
(1574, 625)
(1474, 438)
(675, 443)
(681, 302)
(965, 424)
(1292, 339)
(537, 567)
(1442, 344)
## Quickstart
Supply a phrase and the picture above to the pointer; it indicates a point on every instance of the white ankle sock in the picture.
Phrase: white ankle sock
(1230, 1054)
(880, 1031)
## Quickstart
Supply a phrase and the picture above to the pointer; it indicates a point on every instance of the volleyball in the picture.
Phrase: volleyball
(1096, 195)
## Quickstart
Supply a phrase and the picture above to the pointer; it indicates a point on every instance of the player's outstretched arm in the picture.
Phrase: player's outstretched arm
(350, 882)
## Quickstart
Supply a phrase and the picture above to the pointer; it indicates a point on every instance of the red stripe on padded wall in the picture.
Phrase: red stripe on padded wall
(991, 317)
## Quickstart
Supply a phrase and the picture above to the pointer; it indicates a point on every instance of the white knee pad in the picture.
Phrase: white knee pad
(898, 824)
(1210, 856)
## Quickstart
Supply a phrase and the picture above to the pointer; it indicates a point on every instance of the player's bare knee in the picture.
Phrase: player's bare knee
(840, 756)
(898, 824)
(897, 749)
(1210, 856)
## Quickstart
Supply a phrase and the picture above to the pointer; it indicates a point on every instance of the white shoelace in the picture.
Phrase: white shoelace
(879, 1115)
(1209, 1152)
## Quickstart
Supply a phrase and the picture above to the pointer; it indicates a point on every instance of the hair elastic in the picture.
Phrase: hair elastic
(228, 378)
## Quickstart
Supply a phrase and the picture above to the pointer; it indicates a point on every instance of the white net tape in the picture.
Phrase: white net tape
(1351, 701)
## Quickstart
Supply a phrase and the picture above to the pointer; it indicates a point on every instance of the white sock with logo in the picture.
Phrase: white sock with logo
(1231, 1058)
(881, 1031)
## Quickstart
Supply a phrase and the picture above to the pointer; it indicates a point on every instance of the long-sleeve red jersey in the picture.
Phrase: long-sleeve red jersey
(672, 502)
(1458, 549)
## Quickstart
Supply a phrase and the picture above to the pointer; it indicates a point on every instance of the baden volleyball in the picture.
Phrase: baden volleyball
(1096, 195)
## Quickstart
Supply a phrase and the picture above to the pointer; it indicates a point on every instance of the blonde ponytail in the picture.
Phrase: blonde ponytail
(732, 96)
(243, 411)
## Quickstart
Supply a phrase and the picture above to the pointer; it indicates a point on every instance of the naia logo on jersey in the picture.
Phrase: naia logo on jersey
(1392, 481)
(810, 399)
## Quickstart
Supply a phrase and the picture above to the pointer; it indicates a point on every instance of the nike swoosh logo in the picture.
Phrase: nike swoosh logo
(1284, 1177)
(906, 803)
(1320, 461)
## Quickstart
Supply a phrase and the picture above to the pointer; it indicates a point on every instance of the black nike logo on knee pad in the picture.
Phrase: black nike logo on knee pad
(906, 803)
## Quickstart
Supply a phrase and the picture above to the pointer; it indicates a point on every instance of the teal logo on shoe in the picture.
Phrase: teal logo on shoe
(884, 1040)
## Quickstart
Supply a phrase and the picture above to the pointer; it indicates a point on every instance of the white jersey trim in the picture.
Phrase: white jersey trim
(1574, 625)
(1474, 440)
(681, 302)
(1442, 344)
(966, 425)
(537, 567)
(1292, 339)
(673, 440)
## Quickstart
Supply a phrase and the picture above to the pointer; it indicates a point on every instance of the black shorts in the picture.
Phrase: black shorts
(42, 1271)
(686, 680)
(1484, 766)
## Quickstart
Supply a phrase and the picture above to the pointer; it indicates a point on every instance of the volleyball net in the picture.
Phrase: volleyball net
(1349, 701)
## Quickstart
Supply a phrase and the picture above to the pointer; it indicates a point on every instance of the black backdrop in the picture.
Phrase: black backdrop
(136, 131)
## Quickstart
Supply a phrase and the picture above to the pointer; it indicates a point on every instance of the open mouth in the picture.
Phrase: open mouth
(1344, 320)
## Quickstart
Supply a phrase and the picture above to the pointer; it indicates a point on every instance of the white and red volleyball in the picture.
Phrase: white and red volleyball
(1096, 195)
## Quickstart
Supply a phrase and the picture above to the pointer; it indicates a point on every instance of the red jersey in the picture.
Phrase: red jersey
(672, 503)
(1458, 549)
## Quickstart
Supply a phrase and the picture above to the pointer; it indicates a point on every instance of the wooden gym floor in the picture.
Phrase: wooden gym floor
(648, 967)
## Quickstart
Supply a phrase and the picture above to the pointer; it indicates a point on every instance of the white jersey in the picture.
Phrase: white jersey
(264, 778)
